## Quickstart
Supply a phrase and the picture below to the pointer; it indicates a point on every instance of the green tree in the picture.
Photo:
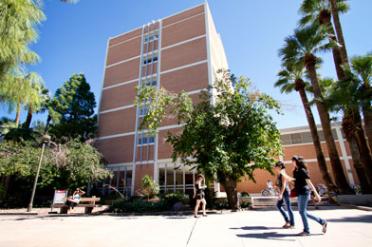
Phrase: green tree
(149, 187)
(319, 12)
(72, 110)
(362, 67)
(302, 48)
(225, 140)
(70, 165)
(17, 27)
(38, 103)
(21, 90)
(291, 79)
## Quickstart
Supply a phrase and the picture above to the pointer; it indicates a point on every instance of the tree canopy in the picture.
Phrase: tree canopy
(226, 140)
(72, 110)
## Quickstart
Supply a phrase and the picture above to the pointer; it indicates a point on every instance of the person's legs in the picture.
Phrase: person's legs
(196, 209)
(204, 204)
(287, 200)
(302, 208)
(279, 206)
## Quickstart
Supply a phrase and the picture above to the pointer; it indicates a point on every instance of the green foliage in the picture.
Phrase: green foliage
(171, 198)
(72, 110)
(22, 90)
(137, 206)
(228, 139)
(71, 165)
(149, 187)
(17, 28)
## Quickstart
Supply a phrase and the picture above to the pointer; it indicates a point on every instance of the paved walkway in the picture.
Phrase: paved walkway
(347, 227)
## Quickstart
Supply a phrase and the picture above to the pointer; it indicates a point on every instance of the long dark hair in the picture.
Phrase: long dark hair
(300, 163)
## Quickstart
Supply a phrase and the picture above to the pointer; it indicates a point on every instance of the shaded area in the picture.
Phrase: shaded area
(272, 236)
(354, 219)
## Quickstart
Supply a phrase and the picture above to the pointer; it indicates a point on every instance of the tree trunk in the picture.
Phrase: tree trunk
(338, 60)
(364, 180)
(339, 175)
(338, 27)
(365, 154)
(47, 124)
(231, 192)
(18, 114)
(314, 134)
(29, 118)
(367, 114)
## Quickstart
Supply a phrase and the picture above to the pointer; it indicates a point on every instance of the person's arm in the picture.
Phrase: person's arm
(312, 187)
(82, 192)
(286, 176)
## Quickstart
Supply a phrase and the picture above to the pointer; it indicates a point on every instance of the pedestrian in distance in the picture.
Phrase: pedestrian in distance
(303, 186)
(199, 195)
(284, 194)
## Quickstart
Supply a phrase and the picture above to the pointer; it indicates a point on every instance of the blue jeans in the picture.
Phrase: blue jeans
(287, 217)
(303, 200)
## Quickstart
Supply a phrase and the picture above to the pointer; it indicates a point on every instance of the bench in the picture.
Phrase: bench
(258, 201)
(87, 202)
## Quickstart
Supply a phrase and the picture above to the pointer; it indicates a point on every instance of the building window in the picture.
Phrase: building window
(146, 140)
(151, 82)
(150, 59)
(151, 36)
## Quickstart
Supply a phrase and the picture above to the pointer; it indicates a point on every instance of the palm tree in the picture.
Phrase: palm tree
(302, 47)
(18, 90)
(339, 6)
(37, 102)
(318, 12)
(290, 78)
(362, 67)
(345, 96)
(17, 28)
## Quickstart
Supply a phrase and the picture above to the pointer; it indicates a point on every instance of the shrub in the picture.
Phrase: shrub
(171, 198)
(137, 206)
(149, 187)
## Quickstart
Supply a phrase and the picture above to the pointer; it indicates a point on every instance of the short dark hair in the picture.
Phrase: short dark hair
(280, 164)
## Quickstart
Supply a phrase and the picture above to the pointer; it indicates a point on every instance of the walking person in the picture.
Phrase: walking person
(199, 195)
(284, 195)
(303, 185)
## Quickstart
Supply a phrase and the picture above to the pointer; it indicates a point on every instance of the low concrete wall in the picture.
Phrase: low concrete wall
(365, 200)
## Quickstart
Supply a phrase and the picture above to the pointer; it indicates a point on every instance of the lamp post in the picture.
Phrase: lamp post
(45, 139)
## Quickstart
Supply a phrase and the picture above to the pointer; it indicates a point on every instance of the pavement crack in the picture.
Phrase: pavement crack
(191, 232)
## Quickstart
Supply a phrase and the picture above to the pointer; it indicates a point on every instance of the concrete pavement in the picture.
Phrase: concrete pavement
(347, 227)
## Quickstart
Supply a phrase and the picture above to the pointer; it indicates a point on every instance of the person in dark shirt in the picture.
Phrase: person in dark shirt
(303, 185)
(284, 192)
(199, 195)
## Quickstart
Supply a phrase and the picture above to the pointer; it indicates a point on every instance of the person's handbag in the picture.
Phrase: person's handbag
(293, 193)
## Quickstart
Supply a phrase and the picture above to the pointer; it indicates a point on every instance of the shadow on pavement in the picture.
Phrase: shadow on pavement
(355, 219)
(255, 228)
(273, 236)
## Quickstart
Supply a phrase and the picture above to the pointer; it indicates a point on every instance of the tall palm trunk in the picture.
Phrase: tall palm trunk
(325, 20)
(367, 114)
(364, 180)
(18, 114)
(340, 178)
(363, 170)
(314, 134)
(340, 58)
(29, 117)
(338, 27)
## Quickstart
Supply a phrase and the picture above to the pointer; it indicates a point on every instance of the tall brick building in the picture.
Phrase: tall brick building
(179, 52)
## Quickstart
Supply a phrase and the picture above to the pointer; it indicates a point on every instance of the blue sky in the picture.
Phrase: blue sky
(73, 39)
